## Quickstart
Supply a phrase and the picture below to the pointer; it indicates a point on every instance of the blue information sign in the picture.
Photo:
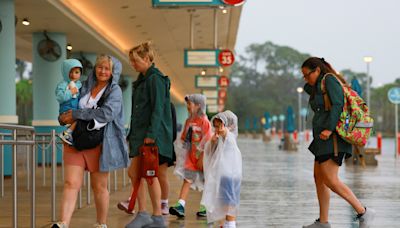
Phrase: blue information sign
(394, 95)
(176, 3)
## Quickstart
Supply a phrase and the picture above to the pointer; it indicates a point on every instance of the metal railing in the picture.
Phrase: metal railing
(43, 141)
(14, 141)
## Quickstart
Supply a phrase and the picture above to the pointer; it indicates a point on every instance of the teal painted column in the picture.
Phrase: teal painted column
(7, 63)
(46, 76)
(127, 96)
(7, 75)
(181, 114)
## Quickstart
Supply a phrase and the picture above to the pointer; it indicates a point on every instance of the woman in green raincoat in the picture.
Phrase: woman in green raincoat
(327, 159)
(151, 123)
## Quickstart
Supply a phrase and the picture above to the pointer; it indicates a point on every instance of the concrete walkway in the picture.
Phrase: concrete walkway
(277, 191)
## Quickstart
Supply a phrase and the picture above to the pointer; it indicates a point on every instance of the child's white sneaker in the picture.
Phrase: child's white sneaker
(66, 137)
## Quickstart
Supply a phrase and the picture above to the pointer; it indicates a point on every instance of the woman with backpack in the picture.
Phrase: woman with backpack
(328, 148)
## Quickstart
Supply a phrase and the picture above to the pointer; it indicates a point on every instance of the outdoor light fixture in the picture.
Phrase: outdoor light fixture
(300, 89)
(221, 69)
(367, 59)
(69, 47)
(224, 11)
(203, 72)
(25, 22)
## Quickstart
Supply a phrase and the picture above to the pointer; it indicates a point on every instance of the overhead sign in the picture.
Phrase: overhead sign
(211, 101)
(208, 81)
(212, 108)
(221, 101)
(223, 81)
(187, 3)
(201, 58)
(394, 95)
(222, 93)
(234, 2)
(226, 58)
(221, 108)
(210, 94)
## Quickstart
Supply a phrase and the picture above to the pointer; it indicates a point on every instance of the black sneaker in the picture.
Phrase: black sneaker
(202, 211)
(177, 210)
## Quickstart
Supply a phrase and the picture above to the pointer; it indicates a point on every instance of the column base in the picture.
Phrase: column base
(9, 119)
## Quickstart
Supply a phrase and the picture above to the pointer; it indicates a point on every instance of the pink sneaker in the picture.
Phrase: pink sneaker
(124, 205)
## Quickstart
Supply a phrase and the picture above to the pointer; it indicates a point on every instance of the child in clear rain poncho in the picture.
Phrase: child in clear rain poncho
(189, 153)
(222, 171)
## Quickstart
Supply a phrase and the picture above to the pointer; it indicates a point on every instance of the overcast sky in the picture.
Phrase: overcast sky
(341, 31)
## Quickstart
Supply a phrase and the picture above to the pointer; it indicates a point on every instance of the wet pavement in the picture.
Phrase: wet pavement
(277, 191)
(278, 188)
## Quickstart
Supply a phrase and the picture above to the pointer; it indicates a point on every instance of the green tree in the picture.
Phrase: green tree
(265, 79)
(24, 101)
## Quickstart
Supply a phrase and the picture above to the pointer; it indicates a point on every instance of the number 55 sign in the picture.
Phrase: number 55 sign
(226, 58)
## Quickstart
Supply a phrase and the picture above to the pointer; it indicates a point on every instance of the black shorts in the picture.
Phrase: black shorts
(163, 159)
(337, 159)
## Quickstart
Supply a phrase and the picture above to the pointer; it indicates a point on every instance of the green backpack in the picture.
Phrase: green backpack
(355, 123)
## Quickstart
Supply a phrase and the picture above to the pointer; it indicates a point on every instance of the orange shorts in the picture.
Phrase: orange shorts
(87, 159)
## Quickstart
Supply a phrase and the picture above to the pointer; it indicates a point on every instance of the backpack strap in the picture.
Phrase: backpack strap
(327, 101)
(105, 94)
(328, 107)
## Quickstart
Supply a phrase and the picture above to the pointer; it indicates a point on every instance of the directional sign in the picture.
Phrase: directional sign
(201, 58)
(221, 108)
(211, 101)
(212, 108)
(233, 2)
(187, 3)
(210, 94)
(208, 81)
(221, 101)
(394, 95)
(226, 58)
(222, 93)
(223, 81)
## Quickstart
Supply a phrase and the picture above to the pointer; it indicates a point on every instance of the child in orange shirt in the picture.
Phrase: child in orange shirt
(196, 133)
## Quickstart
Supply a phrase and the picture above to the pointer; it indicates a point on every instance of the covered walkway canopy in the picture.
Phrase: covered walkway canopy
(101, 26)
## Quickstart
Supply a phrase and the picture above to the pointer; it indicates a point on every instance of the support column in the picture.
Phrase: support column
(7, 75)
(181, 115)
(127, 96)
(46, 76)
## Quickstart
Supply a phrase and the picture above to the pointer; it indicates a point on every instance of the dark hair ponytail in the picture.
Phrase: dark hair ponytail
(313, 62)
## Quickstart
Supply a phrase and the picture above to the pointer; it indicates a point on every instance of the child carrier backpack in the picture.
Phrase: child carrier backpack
(355, 123)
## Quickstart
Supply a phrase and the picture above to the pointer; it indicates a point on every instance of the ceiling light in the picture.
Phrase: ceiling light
(26, 22)
(69, 47)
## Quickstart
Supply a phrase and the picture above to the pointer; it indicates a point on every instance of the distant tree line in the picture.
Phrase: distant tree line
(266, 77)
